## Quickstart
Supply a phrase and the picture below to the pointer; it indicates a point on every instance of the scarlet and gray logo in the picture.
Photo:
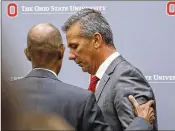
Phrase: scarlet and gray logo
(12, 10)
(170, 8)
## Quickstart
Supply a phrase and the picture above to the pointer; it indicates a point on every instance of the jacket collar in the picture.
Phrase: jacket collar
(40, 73)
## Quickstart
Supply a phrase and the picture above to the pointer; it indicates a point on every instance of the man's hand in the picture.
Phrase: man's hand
(145, 110)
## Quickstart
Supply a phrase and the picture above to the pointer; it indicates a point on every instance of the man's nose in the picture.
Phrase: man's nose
(71, 56)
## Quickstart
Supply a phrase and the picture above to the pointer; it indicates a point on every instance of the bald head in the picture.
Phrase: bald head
(43, 44)
(44, 35)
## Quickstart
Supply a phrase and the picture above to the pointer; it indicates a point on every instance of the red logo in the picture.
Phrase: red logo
(170, 8)
(12, 10)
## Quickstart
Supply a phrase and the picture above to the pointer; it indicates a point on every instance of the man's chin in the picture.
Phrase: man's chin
(84, 69)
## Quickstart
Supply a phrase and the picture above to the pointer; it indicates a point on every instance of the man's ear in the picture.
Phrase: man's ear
(97, 40)
(26, 51)
(61, 52)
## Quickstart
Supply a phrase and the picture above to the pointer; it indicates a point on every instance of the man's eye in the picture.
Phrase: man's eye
(74, 46)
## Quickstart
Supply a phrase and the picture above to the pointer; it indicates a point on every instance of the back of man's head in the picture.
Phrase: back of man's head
(44, 45)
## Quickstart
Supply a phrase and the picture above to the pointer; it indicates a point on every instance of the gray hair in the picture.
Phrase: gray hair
(91, 21)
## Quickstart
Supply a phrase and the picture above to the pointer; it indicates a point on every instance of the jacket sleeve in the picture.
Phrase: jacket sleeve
(130, 82)
(139, 124)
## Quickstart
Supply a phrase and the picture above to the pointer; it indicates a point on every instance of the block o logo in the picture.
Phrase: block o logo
(170, 8)
(12, 10)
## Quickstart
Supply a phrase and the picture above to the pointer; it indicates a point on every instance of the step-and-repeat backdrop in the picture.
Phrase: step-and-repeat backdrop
(144, 33)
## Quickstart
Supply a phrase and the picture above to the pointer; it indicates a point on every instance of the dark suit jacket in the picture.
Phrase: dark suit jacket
(120, 80)
(44, 92)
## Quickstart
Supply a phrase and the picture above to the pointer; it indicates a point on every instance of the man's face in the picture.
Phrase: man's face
(81, 49)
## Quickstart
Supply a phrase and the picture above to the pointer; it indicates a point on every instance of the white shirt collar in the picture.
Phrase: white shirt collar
(103, 67)
(46, 70)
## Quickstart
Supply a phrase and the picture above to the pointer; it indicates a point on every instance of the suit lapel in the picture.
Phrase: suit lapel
(101, 86)
(107, 75)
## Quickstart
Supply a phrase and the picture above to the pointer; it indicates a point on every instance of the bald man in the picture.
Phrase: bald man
(44, 92)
